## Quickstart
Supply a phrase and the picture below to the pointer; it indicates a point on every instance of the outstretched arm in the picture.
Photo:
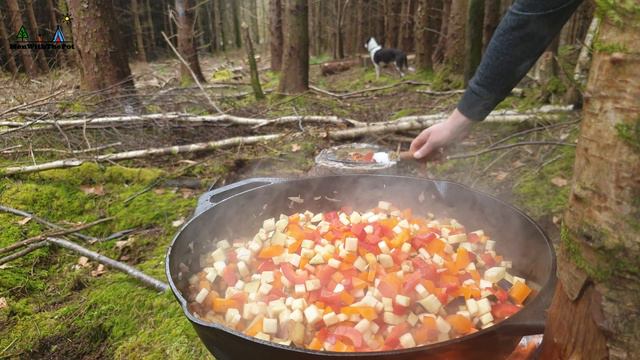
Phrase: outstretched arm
(522, 36)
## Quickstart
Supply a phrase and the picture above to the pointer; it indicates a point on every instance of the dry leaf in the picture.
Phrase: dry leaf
(3, 303)
(186, 193)
(556, 219)
(177, 223)
(159, 191)
(500, 175)
(295, 147)
(124, 243)
(83, 261)
(101, 269)
(24, 221)
(124, 258)
(517, 164)
(559, 182)
(97, 190)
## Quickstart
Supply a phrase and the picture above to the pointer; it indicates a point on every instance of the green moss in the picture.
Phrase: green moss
(317, 60)
(538, 194)
(630, 134)
(405, 112)
(619, 10)
(610, 48)
(222, 75)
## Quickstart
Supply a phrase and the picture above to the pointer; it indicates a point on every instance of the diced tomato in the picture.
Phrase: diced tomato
(503, 310)
(290, 274)
(501, 295)
(330, 216)
(399, 309)
(229, 275)
(232, 257)
(369, 247)
(428, 271)
(488, 260)
(396, 332)
(443, 297)
(350, 333)
(421, 240)
(358, 229)
(473, 237)
(324, 272)
(410, 282)
(266, 265)
(330, 298)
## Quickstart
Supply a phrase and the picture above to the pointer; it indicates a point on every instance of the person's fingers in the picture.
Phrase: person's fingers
(420, 140)
(425, 150)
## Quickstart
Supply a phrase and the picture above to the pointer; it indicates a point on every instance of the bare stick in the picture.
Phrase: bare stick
(127, 269)
(18, 254)
(364, 91)
(43, 221)
(134, 154)
(43, 236)
(539, 128)
(193, 75)
(32, 103)
(508, 146)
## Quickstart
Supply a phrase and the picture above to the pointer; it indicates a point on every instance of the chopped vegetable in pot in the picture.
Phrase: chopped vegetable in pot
(348, 281)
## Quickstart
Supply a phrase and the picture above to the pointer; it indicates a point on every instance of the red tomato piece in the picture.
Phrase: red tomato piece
(324, 272)
(488, 259)
(399, 309)
(290, 274)
(266, 265)
(421, 240)
(358, 229)
(503, 310)
(396, 332)
(502, 295)
(350, 333)
(229, 276)
(411, 281)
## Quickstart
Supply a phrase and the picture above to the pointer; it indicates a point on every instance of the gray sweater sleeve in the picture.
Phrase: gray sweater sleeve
(521, 37)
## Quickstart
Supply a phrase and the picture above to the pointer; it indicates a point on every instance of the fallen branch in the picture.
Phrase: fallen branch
(364, 91)
(43, 221)
(32, 103)
(193, 75)
(508, 146)
(171, 150)
(539, 128)
(18, 254)
(127, 269)
(183, 118)
(60, 151)
(43, 236)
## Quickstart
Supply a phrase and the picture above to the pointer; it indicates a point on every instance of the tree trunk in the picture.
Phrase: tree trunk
(595, 310)
(405, 35)
(253, 67)
(186, 41)
(220, 23)
(235, 17)
(200, 29)
(53, 19)
(547, 70)
(41, 58)
(137, 28)
(4, 37)
(454, 53)
(172, 22)
(276, 31)
(424, 37)
(295, 77)
(102, 64)
(361, 24)
(339, 6)
(392, 9)
(438, 52)
(213, 34)
(491, 21)
(473, 43)
(16, 24)
(150, 28)
(253, 15)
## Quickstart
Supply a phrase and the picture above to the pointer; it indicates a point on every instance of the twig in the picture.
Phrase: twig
(32, 103)
(127, 269)
(18, 254)
(43, 236)
(539, 128)
(360, 92)
(508, 146)
(10, 148)
(446, 92)
(119, 234)
(193, 75)
(43, 221)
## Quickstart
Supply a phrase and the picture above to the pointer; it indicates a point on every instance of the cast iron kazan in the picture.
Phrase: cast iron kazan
(237, 210)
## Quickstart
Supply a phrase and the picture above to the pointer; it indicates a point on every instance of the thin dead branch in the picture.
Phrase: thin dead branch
(18, 254)
(44, 222)
(508, 146)
(127, 269)
(364, 91)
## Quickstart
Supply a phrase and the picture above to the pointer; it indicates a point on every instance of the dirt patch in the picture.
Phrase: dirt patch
(74, 344)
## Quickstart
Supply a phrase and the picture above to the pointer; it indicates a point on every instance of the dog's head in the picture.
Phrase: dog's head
(371, 44)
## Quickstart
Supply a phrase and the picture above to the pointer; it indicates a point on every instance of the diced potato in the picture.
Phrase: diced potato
(431, 304)
(484, 306)
(270, 326)
(495, 274)
(201, 295)
(351, 244)
(312, 314)
(269, 225)
(385, 260)
(407, 341)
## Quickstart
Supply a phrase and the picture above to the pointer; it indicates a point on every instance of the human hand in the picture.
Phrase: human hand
(426, 145)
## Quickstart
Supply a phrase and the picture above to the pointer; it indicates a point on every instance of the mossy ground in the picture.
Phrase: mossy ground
(57, 312)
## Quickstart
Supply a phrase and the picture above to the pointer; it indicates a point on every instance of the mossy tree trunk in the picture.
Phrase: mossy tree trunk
(438, 52)
(235, 17)
(41, 58)
(103, 64)
(595, 313)
(277, 36)
(219, 7)
(53, 19)
(16, 23)
(186, 41)
(251, 58)
(253, 20)
(137, 28)
(4, 37)
(424, 37)
(454, 51)
(473, 42)
(491, 21)
(295, 77)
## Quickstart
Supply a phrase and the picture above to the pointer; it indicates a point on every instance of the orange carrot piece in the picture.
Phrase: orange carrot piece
(255, 326)
(519, 292)
(271, 251)
(460, 324)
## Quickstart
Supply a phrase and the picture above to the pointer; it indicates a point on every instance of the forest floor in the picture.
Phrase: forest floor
(54, 306)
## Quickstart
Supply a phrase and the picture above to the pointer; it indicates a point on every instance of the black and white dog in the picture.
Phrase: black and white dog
(381, 56)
